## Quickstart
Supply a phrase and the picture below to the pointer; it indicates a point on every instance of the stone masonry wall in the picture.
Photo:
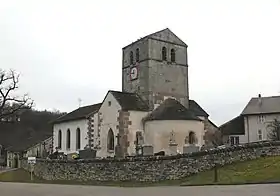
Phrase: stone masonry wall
(150, 169)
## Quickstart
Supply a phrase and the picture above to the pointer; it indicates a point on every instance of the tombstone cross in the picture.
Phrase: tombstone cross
(172, 137)
(118, 139)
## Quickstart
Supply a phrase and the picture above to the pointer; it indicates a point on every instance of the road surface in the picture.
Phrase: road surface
(21, 189)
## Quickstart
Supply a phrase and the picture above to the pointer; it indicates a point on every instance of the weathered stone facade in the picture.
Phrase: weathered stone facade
(150, 169)
(157, 77)
(123, 120)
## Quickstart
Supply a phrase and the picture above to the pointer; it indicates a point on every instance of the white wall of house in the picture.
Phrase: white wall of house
(136, 125)
(157, 133)
(108, 112)
(72, 126)
(256, 127)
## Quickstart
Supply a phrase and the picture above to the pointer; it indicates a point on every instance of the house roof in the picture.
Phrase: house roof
(156, 35)
(262, 105)
(79, 113)
(130, 101)
(171, 109)
(196, 109)
(233, 127)
(28, 143)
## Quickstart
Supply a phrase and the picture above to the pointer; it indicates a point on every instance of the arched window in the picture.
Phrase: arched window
(110, 140)
(173, 55)
(192, 138)
(68, 139)
(163, 54)
(131, 57)
(137, 55)
(78, 139)
(59, 139)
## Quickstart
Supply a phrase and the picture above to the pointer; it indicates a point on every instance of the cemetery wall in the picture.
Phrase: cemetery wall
(149, 169)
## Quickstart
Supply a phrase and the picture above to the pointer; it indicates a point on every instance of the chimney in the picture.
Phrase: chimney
(260, 99)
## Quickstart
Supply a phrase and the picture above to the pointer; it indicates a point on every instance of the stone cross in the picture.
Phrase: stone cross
(118, 139)
(172, 137)
(186, 140)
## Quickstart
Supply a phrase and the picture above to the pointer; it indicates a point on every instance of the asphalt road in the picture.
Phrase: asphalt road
(21, 189)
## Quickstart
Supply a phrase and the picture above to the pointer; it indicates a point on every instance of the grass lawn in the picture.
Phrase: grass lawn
(256, 171)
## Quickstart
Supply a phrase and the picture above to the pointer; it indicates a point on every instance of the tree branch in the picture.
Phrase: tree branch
(9, 102)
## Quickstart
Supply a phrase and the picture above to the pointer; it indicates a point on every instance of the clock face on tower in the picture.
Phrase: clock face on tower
(133, 73)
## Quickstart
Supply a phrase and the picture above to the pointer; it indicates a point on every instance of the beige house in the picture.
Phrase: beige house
(41, 149)
(251, 124)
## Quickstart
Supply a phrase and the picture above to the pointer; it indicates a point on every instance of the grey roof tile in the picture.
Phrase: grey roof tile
(262, 105)
(171, 109)
(233, 127)
(196, 109)
(79, 113)
(130, 101)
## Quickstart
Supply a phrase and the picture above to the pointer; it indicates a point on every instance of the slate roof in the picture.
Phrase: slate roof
(233, 127)
(262, 105)
(130, 101)
(171, 109)
(79, 113)
(196, 109)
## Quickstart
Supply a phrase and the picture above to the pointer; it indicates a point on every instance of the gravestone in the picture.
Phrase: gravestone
(148, 150)
(118, 148)
(87, 154)
(172, 144)
(190, 148)
(173, 148)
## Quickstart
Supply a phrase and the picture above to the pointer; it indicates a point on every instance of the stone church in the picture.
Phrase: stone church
(152, 114)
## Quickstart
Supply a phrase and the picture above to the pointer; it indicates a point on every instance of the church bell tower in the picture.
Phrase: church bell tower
(156, 67)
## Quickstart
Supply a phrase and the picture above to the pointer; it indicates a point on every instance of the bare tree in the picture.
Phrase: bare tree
(274, 130)
(10, 103)
(213, 137)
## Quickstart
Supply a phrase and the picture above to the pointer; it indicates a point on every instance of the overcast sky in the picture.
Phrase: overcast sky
(65, 50)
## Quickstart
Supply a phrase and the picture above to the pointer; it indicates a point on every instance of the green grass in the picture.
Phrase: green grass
(18, 175)
(255, 171)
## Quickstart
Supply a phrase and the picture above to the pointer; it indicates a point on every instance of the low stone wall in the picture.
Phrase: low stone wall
(150, 169)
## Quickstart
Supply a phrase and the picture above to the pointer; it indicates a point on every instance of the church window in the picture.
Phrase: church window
(78, 138)
(109, 103)
(173, 55)
(137, 55)
(192, 137)
(131, 57)
(68, 139)
(163, 54)
(59, 139)
(110, 140)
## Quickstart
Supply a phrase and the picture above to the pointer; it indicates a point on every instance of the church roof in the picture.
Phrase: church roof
(130, 101)
(196, 109)
(171, 109)
(79, 113)
(160, 35)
